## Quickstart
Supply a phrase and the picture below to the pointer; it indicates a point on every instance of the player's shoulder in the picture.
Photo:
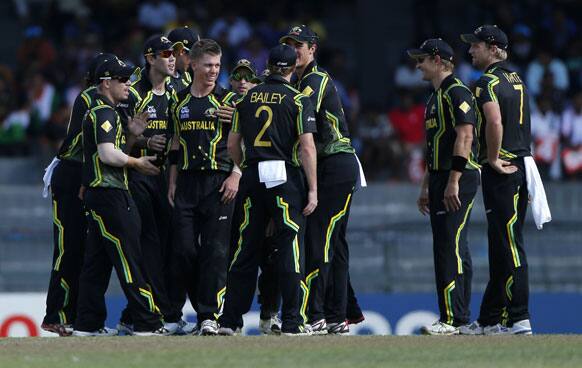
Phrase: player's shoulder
(458, 88)
(104, 111)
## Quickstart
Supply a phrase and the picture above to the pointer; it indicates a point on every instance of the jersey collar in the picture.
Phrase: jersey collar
(276, 78)
(450, 79)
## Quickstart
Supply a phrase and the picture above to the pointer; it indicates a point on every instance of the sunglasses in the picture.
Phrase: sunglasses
(240, 76)
(121, 79)
(165, 54)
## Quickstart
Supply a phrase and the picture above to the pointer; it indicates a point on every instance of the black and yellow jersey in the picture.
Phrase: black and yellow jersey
(102, 124)
(503, 85)
(72, 148)
(270, 119)
(332, 129)
(142, 98)
(180, 81)
(451, 104)
(202, 137)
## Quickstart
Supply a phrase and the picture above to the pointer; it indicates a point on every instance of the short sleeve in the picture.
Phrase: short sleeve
(485, 89)
(105, 126)
(463, 107)
(306, 117)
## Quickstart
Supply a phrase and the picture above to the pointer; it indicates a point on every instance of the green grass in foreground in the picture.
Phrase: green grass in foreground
(266, 351)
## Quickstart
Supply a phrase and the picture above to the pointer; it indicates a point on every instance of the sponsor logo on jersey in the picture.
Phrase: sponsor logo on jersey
(152, 112)
(106, 126)
(210, 112)
(184, 112)
(465, 107)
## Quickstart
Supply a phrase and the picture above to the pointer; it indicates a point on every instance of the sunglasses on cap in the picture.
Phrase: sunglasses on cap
(164, 54)
(238, 76)
(180, 49)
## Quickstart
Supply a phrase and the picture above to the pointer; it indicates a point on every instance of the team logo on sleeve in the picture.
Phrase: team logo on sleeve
(152, 112)
(106, 126)
(210, 112)
(465, 107)
(184, 112)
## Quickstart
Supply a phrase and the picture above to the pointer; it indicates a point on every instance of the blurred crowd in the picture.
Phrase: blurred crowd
(59, 37)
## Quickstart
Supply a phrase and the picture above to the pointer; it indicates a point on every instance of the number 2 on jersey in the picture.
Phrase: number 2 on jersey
(259, 142)
(519, 87)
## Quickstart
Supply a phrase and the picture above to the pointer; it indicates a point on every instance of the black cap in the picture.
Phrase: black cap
(244, 64)
(261, 78)
(301, 34)
(433, 47)
(94, 63)
(488, 33)
(184, 35)
(155, 44)
(113, 68)
(283, 56)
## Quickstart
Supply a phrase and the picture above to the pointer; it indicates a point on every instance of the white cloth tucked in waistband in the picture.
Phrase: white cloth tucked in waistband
(48, 174)
(537, 194)
(272, 173)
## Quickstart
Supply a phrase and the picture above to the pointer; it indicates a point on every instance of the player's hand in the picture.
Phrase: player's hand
(502, 166)
(422, 202)
(81, 194)
(138, 123)
(229, 188)
(311, 203)
(157, 142)
(225, 113)
(145, 166)
(451, 197)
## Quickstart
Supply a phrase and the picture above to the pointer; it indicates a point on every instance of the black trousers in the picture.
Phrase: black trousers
(326, 242)
(113, 241)
(69, 232)
(505, 198)
(269, 292)
(201, 228)
(259, 205)
(150, 196)
(452, 259)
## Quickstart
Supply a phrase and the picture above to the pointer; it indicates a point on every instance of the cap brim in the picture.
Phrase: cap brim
(470, 38)
(243, 67)
(126, 71)
(416, 53)
(294, 38)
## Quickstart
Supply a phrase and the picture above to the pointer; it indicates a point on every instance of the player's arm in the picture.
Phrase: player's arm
(493, 137)
(422, 201)
(174, 154)
(306, 128)
(464, 119)
(229, 187)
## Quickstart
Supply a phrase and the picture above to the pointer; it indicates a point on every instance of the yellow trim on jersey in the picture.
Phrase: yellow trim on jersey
(440, 131)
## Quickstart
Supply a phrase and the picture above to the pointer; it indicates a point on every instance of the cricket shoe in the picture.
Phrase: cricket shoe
(208, 327)
(495, 330)
(271, 326)
(339, 328)
(227, 331)
(125, 329)
(297, 331)
(105, 331)
(57, 328)
(162, 331)
(439, 328)
(522, 327)
(187, 327)
(473, 328)
(319, 327)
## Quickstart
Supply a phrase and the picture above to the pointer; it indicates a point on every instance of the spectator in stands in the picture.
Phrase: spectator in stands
(407, 77)
(255, 52)
(572, 138)
(236, 29)
(574, 64)
(13, 129)
(545, 132)
(546, 61)
(407, 119)
(44, 99)
(155, 15)
(35, 49)
(521, 48)
(560, 29)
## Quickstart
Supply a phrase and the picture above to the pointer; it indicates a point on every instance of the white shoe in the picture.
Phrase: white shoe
(209, 327)
(125, 328)
(319, 327)
(494, 330)
(162, 331)
(299, 331)
(473, 328)
(105, 331)
(187, 327)
(439, 328)
(522, 327)
(271, 326)
(340, 328)
(173, 328)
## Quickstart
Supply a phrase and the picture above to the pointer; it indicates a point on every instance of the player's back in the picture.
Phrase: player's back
(270, 120)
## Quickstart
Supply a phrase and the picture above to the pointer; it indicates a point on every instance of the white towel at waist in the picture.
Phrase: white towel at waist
(537, 194)
(272, 173)
(48, 174)
(362, 183)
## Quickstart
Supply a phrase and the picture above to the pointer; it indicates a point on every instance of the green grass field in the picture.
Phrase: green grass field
(357, 351)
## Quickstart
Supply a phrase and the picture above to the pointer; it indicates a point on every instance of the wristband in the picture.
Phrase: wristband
(173, 157)
(458, 163)
(237, 170)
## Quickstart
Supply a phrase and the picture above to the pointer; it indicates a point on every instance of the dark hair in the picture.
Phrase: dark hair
(205, 46)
